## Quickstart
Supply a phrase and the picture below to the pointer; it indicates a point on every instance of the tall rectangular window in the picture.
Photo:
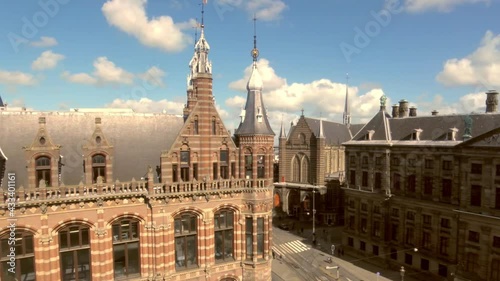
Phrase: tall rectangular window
(185, 173)
(195, 171)
(126, 254)
(446, 191)
(233, 169)
(260, 238)
(409, 236)
(175, 177)
(495, 269)
(186, 237)
(224, 162)
(185, 165)
(249, 238)
(224, 235)
(214, 170)
(497, 170)
(426, 240)
(412, 183)
(397, 181)
(352, 177)
(473, 236)
(429, 164)
(196, 126)
(394, 231)
(376, 229)
(24, 257)
(427, 185)
(378, 181)
(248, 167)
(475, 195)
(444, 245)
(261, 166)
(364, 181)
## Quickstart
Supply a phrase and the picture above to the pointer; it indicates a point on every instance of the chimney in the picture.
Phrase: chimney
(403, 108)
(491, 101)
(413, 111)
(434, 112)
(395, 111)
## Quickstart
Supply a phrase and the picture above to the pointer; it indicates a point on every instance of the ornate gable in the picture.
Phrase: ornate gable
(43, 159)
(489, 139)
(98, 157)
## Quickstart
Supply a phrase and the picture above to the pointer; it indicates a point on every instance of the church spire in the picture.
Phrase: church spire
(255, 120)
(347, 115)
(321, 135)
(282, 132)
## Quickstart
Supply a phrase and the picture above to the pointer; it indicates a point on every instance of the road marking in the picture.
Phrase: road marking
(291, 247)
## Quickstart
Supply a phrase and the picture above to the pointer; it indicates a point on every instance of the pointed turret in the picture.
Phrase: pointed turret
(199, 79)
(347, 115)
(255, 120)
(1, 102)
(282, 132)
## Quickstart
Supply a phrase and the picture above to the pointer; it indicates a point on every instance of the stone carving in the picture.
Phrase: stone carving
(42, 184)
(43, 208)
(100, 232)
(495, 139)
(100, 202)
(383, 98)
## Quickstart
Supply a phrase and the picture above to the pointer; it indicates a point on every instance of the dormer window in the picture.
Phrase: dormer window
(98, 168)
(416, 134)
(452, 134)
(42, 167)
(259, 115)
(369, 135)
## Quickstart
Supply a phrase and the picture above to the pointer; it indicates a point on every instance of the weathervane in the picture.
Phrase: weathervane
(255, 51)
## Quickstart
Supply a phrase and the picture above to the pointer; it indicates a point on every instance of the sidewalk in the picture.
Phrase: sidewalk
(328, 235)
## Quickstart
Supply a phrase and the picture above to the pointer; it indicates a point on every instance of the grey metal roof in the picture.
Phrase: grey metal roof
(250, 124)
(335, 133)
(355, 128)
(434, 128)
(138, 140)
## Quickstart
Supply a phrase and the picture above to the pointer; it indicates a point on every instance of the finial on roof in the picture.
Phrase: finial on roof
(255, 51)
(347, 115)
(203, 2)
(383, 98)
(302, 110)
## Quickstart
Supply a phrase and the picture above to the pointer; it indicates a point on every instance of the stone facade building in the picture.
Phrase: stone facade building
(129, 196)
(311, 158)
(423, 192)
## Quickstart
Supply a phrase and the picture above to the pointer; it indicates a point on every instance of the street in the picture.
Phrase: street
(296, 260)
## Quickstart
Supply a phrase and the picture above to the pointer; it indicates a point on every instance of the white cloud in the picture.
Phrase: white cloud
(315, 97)
(16, 78)
(269, 78)
(47, 60)
(153, 76)
(481, 68)
(160, 32)
(265, 10)
(80, 78)
(472, 102)
(416, 6)
(44, 42)
(105, 72)
(148, 105)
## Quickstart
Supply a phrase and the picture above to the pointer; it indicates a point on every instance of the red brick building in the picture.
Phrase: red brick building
(130, 196)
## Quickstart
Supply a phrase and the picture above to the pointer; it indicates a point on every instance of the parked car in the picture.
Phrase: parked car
(284, 226)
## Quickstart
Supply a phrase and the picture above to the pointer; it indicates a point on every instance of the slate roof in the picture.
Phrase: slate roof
(334, 132)
(434, 128)
(138, 140)
(250, 125)
(1, 102)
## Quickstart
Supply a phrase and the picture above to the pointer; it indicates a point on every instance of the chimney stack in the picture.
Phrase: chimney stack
(403, 108)
(491, 101)
(413, 111)
(434, 112)
(395, 111)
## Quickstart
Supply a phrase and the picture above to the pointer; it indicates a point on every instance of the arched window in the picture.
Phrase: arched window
(74, 253)
(98, 167)
(126, 260)
(296, 169)
(196, 130)
(224, 235)
(305, 170)
(24, 267)
(42, 167)
(248, 165)
(186, 237)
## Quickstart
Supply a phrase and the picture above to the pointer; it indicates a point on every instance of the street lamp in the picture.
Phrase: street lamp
(314, 217)
(402, 271)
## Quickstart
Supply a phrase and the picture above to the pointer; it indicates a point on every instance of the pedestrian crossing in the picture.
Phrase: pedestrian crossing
(290, 247)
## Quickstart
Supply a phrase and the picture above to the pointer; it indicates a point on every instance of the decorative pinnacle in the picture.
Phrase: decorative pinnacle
(202, 12)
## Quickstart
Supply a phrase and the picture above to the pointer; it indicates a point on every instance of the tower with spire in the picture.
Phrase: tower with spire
(347, 114)
(255, 139)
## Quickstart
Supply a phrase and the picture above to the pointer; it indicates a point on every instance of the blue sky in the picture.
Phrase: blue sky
(438, 54)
